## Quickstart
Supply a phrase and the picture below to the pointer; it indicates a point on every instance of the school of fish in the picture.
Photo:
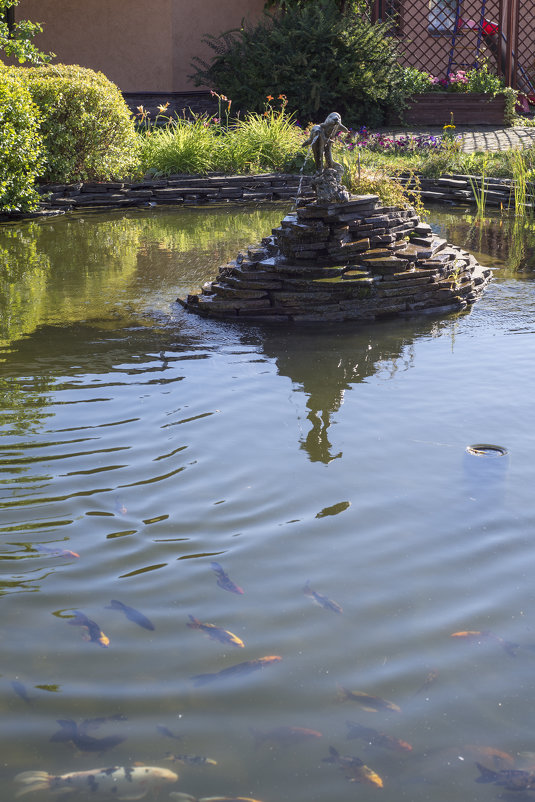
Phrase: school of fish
(135, 781)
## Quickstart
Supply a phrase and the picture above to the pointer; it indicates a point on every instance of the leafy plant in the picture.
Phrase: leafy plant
(320, 59)
(21, 147)
(86, 125)
(16, 38)
(259, 142)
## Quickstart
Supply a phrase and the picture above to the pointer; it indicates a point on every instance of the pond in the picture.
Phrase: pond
(166, 462)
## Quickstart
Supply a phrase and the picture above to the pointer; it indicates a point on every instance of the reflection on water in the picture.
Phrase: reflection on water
(151, 460)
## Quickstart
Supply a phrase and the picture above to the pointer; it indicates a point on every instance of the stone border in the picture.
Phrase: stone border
(188, 190)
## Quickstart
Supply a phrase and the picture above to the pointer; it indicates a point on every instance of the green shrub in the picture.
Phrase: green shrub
(322, 60)
(259, 142)
(21, 147)
(86, 125)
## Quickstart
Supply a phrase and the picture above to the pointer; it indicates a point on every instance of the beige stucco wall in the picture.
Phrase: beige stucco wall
(141, 45)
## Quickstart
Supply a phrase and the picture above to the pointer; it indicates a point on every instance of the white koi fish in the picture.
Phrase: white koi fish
(120, 782)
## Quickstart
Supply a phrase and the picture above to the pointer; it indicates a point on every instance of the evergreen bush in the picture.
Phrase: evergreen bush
(21, 147)
(321, 59)
(87, 128)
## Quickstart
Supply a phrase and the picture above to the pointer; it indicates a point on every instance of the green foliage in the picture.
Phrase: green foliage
(320, 59)
(414, 82)
(21, 147)
(16, 41)
(481, 80)
(259, 142)
(87, 128)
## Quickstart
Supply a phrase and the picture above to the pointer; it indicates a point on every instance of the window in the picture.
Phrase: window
(443, 15)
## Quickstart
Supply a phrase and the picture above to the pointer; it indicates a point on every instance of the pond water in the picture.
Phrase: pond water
(141, 445)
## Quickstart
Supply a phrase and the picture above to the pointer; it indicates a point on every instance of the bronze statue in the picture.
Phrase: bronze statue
(327, 182)
(321, 140)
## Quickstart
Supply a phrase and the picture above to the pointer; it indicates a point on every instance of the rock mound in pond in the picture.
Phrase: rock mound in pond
(355, 260)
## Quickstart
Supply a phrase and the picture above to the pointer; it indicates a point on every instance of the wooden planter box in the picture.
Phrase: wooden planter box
(436, 108)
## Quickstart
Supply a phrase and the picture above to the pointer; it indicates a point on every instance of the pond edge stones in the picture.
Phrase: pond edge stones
(353, 260)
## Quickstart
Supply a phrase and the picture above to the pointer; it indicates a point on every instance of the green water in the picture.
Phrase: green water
(152, 443)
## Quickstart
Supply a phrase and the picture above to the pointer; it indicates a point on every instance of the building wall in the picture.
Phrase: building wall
(141, 45)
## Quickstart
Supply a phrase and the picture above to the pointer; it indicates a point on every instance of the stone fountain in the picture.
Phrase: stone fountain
(342, 257)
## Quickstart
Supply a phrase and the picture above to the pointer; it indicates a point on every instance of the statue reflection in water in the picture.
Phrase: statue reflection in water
(326, 364)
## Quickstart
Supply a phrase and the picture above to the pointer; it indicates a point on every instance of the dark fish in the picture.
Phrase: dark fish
(485, 634)
(131, 614)
(94, 632)
(370, 703)
(167, 732)
(284, 735)
(224, 581)
(21, 690)
(191, 760)
(355, 770)
(216, 633)
(70, 731)
(377, 738)
(512, 779)
(321, 600)
(429, 680)
(240, 668)
(54, 551)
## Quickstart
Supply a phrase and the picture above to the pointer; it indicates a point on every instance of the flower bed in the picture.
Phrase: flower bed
(436, 108)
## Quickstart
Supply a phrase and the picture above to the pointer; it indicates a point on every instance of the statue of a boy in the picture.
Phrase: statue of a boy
(321, 140)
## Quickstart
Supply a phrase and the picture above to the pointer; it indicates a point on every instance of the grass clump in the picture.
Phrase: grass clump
(260, 142)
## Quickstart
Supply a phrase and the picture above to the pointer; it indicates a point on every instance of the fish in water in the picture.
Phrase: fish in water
(21, 690)
(191, 760)
(94, 632)
(284, 735)
(429, 680)
(167, 732)
(224, 581)
(485, 634)
(216, 633)
(370, 703)
(132, 614)
(120, 782)
(54, 551)
(355, 770)
(189, 798)
(77, 735)
(489, 756)
(376, 738)
(321, 600)
(512, 779)
(240, 668)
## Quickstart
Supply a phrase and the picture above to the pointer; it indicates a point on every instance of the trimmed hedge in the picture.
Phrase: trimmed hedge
(87, 128)
(21, 146)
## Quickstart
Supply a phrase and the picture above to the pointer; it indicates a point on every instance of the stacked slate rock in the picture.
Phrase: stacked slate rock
(355, 260)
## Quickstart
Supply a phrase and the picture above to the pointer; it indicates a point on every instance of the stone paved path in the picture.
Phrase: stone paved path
(474, 137)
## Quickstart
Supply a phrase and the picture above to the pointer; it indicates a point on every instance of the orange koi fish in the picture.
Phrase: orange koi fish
(55, 552)
(490, 757)
(370, 703)
(377, 738)
(321, 600)
(284, 735)
(355, 770)
(485, 634)
(240, 668)
(224, 581)
(94, 632)
(216, 633)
